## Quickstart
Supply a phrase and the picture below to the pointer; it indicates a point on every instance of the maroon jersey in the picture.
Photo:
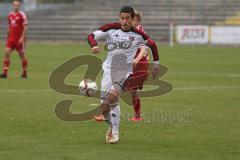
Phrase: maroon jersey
(140, 72)
(16, 22)
(140, 28)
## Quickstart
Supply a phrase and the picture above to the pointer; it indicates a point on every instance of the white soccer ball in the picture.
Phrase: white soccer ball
(88, 87)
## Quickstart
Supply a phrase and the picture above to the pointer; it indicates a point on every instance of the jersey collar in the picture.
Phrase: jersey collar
(127, 31)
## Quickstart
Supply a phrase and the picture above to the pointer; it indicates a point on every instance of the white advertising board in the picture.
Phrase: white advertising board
(195, 34)
(225, 35)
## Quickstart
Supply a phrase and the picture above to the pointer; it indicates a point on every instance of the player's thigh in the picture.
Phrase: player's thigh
(10, 44)
(115, 93)
(20, 47)
(135, 81)
(9, 48)
(106, 84)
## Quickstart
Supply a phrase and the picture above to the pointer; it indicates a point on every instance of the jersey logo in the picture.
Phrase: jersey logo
(13, 21)
(131, 38)
(110, 46)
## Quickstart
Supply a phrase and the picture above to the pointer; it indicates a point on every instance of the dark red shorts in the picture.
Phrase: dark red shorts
(20, 47)
(140, 74)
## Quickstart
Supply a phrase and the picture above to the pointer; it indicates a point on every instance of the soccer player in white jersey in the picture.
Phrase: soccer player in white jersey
(141, 70)
(123, 41)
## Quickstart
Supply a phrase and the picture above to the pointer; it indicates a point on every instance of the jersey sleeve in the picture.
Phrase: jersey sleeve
(24, 18)
(95, 36)
(110, 26)
(91, 40)
(154, 49)
(101, 33)
(98, 35)
(150, 43)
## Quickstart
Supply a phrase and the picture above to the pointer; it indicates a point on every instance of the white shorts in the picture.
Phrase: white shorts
(108, 81)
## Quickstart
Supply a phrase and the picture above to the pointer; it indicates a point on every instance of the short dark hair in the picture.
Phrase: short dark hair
(128, 9)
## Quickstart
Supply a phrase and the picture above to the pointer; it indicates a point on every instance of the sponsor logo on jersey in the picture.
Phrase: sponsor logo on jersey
(131, 38)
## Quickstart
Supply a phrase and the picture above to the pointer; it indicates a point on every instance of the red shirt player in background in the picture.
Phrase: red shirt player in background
(144, 68)
(17, 29)
(141, 70)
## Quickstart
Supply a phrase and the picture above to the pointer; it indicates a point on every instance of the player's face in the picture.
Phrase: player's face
(16, 6)
(135, 22)
(126, 21)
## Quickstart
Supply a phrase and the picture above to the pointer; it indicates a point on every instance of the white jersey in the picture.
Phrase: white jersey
(122, 47)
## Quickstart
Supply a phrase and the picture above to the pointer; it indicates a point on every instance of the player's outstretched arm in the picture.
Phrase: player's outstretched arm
(155, 70)
(99, 34)
(155, 66)
(142, 53)
(93, 43)
(151, 44)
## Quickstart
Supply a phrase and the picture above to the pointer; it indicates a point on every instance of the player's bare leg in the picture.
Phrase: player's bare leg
(24, 61)
(136, 105)
(6, 62)
(104, 109)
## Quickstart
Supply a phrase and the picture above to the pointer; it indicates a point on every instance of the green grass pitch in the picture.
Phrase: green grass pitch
(206, 92)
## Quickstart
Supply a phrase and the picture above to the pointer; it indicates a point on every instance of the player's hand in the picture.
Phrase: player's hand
(155, 71)
(96, 49)
(20, 41)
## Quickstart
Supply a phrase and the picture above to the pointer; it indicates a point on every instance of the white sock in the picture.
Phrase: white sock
(115, 118)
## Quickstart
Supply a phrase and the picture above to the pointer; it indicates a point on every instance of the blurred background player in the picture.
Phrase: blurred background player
(17, 29)
(140, 70)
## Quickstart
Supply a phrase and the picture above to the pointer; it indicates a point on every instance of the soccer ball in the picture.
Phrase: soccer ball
(88, 87)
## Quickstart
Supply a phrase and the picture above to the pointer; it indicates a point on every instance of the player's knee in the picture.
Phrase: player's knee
(105, 108)
(7, 53)
(113, 96)
(134, 93)
(22, 56)
(7, 50)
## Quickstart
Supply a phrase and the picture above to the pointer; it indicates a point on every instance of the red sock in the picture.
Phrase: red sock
(6, 64)
(137, 106)
(24, 66)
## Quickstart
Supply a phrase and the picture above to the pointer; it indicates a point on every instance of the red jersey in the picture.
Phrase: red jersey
(145, 58)
(16, 22)
(140, 72)
(140, 28)
(150, 43)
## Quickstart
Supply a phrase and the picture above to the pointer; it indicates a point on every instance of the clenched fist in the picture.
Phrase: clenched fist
(96, 49)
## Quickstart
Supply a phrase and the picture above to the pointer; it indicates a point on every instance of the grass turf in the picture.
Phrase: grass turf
(206, 88)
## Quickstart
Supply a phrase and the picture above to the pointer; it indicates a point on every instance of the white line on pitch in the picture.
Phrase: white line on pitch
(207, 88)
